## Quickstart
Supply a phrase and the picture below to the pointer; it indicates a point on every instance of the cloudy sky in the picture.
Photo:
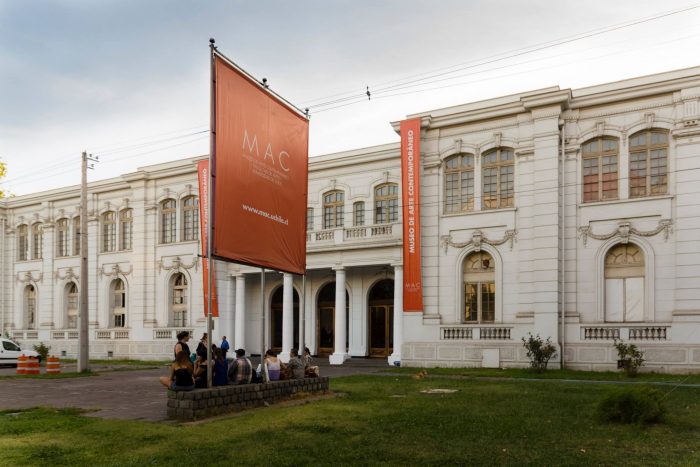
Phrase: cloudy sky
(129, 80)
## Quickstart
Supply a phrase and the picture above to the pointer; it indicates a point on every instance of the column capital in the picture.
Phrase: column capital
(396, 265)
(338, 268)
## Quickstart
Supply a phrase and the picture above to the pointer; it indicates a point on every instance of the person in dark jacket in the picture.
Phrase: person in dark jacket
(181, 346)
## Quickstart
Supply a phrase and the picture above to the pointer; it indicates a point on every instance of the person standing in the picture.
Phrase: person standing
(224, 346)
(202, 347)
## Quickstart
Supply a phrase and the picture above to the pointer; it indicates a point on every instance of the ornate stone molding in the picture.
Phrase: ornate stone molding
(28, 276)
(625, 229)
(478, 239)
(69, 275)
(114, 271)
(176, 263)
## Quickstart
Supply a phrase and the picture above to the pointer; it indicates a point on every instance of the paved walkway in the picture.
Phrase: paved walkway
(130, 394)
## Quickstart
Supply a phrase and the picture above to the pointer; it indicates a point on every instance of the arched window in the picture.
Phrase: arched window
(126, 229)
(109, 231)
(178, 312)
(72, 299)
(358, 213)
(648, 163)
(459, 183)
(76, 236)
(309, 219)
(624, 283)
(498, 178)
(62, 237)
(600, 169)
(386, 203)
(37, 241)
(118, 311)
(30, 307)
(479, 288)
(168, 215)
(190, 219)
(22, 243)
(333, 209)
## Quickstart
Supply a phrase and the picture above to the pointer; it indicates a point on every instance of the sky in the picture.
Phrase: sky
(128, 81)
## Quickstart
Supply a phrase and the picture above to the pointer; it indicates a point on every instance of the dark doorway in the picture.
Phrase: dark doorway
(325, 319)
(381, 318)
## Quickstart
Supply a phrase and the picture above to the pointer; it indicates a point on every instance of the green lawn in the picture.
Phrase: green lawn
(525, 373)
(380, 420)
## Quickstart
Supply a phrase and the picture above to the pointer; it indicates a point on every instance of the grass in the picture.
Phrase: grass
(525, 373)
(380, 420)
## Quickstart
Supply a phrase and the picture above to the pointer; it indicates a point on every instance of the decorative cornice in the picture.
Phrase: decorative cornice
(625, 229)
(28, 276)
(177, 264)
(114, 271)
(478, 239)
(69, 275)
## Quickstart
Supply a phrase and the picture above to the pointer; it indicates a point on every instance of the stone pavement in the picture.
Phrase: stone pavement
(128, 394)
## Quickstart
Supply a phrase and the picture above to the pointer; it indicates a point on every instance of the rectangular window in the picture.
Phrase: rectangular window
(490, 195)
(125, 230)
(168, 227)
(76, 236)
(309, 219)
(358, 213)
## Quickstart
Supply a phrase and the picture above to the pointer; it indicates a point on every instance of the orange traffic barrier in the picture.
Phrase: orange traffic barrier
(32, 366)
(21, 364)
(53, 365)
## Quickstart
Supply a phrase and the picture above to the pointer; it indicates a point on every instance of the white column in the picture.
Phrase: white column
(341, 352)
(239, 327)
(395, 356)
(287, 317)
(230, 330)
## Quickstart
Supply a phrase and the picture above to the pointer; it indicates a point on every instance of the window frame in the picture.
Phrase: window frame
(333, 209)
(190, 215)
(460, 170)
(358, 214)
(118, 301)
(126, 229)
(180, 290)
(23, 242)
(309, 219)
(108, 227)
(389, 213)
(76, 235)
(501, 202)
(168, 221)
(479, 279)
(62, 238)
(37, 241)
(72, 319)
(599, 155)
(647, 149)
(30, 296)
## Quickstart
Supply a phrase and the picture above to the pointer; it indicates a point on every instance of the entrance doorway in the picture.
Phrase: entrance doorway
(325, 320)
(381, 318)
(276, 319)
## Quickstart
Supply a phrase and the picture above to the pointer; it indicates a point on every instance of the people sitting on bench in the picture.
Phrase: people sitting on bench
(241, 370)
(181, 378)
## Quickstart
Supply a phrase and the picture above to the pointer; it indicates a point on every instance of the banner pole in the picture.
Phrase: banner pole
(302, 311)
(262, 322)
(212, 149)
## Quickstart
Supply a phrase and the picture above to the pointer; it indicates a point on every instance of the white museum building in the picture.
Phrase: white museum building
(572, 214)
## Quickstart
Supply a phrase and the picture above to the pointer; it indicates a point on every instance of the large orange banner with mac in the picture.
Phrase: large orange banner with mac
(260, 174)
(410, 186)
(203, 175)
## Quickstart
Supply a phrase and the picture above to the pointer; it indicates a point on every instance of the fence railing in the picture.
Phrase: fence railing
(466, 332)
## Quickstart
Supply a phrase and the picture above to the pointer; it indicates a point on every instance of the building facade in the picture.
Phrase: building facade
(571, 214)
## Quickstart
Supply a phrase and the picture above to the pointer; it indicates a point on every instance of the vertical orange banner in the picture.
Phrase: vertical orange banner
(203, 174)
(410, 186)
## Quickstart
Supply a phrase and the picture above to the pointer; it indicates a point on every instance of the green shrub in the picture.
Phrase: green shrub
(539, 352)
(630, 357)
(632, 405)
(42, 350)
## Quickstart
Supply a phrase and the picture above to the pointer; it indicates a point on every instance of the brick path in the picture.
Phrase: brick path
(132, 394)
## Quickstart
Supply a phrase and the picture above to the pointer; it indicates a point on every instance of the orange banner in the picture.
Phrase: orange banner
(410, 175)
(203, 174)
(260, 174)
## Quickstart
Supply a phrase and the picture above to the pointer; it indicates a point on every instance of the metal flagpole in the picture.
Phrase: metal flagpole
(212, 149)
(262, 321)
(302, 339)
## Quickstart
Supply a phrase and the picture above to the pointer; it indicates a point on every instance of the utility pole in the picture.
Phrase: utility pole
(84, 316)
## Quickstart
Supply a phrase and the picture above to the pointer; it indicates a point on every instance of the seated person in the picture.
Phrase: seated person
(295, 365)
(180, 378)
(200, 372)
(272, 367)
(220, 376)
(241, 370)
(310, 370)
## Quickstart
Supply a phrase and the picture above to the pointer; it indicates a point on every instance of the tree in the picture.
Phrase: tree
(3, 173)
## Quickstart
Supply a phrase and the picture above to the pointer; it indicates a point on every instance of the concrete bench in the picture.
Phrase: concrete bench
(202, 403)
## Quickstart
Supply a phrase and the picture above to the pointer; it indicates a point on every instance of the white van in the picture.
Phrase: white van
(10, 350)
